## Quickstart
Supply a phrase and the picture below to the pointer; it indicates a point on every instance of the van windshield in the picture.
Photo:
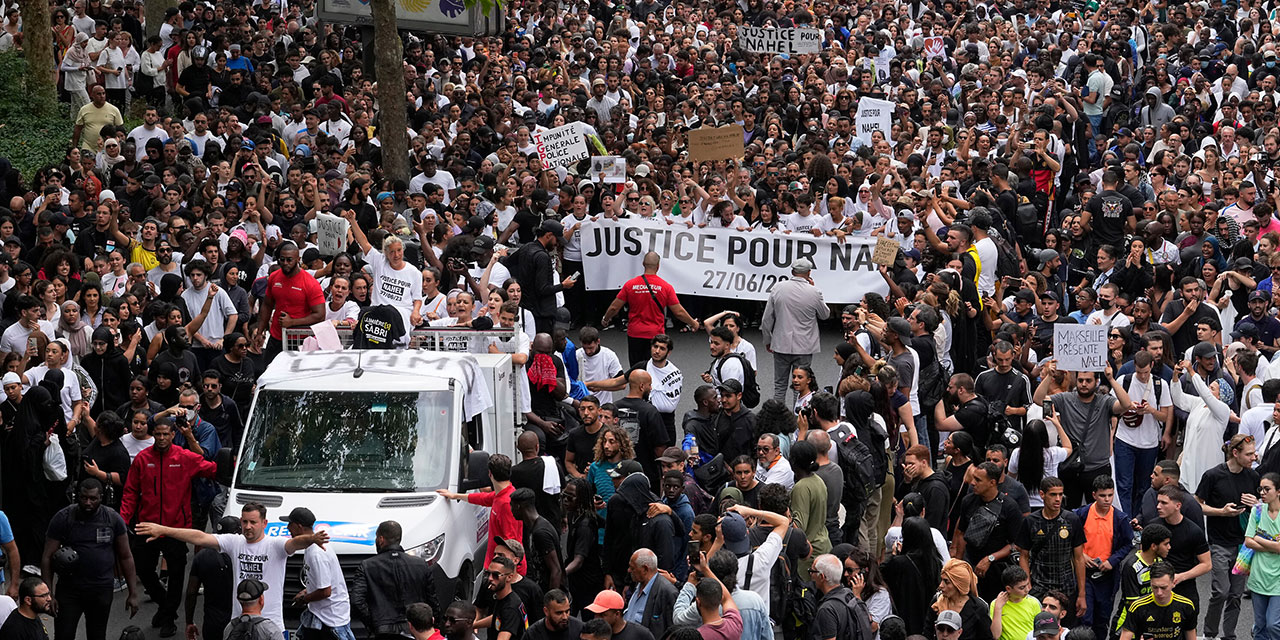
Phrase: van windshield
(349, 441)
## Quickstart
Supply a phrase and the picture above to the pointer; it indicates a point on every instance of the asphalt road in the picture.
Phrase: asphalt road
(691, 355)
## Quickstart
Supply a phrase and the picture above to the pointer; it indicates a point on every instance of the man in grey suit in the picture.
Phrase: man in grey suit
(790, 324)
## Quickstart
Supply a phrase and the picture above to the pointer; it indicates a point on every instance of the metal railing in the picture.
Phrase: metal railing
(431, 338)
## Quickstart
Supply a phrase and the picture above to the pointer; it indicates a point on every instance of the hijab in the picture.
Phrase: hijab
(74, 333)
(76, 55)
(962, 577)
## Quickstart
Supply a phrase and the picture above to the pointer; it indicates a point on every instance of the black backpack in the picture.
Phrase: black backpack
(860, 618)
(242, 628)
(875, 439)
(857, 461)
(750, 387)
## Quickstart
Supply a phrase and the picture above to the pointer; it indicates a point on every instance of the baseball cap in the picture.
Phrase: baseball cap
(481, 245)
(952, 619)
(551, 226)
(673, 455)
(1245, 330)
(1045, 255)
(625, 468)
(1044, 625)
(730, 386)
(734, 528)
(514, 545)
(300, 516)
(606, 601)
(1203, 350)
(248, 144)
(1259, 295)
(250, 589)
(227, 524)
(1052, 295)
(642, 170)
(900, 327)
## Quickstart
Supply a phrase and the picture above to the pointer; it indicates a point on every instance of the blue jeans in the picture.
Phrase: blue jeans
(1095, 123)
(310, 628)
(1132, 463)
(1100, 595)
(922, 432)
(1266, 617)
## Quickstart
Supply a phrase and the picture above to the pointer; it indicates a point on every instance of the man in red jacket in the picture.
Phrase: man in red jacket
(158, 489)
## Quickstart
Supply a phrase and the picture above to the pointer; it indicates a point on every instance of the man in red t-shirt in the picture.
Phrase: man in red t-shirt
(647, 297)
(502, 523)
(293, 299)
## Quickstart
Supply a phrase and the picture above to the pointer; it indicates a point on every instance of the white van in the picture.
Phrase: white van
(361, 437)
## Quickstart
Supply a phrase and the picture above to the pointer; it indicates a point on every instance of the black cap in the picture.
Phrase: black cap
(731, 386)
(482, 245)
(300, 516)
(625, 468)
(250, 589)
(551, 226)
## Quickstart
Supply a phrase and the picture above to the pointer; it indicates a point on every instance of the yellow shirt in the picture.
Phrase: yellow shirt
(1017, 618)
(94, 119)
(143, 256)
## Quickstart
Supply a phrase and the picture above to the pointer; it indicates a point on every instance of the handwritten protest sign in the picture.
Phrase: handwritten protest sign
(331, 234)
(788, 41)
(562, 146)
(935, 47)
(721, 143)
(886, 252)
(1080, 347)
(609, 169)
(875, 115)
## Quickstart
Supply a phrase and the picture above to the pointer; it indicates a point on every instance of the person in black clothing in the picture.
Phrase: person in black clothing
(529, 592)
(986, 528)
(1227, 492)
(239, 375)
(388, 582)
(106, 460)
(556, 623)
(34, 599)
(109, 369)
(1188, 548)
(641, 420)
(971, 410)
(541, 541)
(508, 618)
(922, 479)
(582, 438)
(211, 569)
(627, 528)
(1181, 316)
(99, 537)
(532, 266)
(219, 410)
(530, 474)
(1108, 216)
(195, 81)
(583, 573)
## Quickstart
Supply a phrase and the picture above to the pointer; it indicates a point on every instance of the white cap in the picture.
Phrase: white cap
(106, 195)
(10, 378)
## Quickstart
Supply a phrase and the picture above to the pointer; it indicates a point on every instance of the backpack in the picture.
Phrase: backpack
(243, 628)
(857, 462)
(1007, 264)
(1029, 220)
(750, 387)
(876, 439)
(861, 618)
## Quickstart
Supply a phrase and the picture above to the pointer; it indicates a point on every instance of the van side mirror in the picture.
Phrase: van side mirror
(226, 461)
(476, 473)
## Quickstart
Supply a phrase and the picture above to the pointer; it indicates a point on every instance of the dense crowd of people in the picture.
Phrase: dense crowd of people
(1046, 163)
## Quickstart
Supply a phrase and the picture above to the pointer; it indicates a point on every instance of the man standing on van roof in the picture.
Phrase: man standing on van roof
(502, 523)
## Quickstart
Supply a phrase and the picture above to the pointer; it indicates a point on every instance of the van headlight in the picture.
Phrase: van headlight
(430, 550)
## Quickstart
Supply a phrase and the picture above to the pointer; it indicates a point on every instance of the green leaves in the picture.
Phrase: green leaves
(35, 130)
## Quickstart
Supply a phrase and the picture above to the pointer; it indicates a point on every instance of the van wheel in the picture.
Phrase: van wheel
(466, 579)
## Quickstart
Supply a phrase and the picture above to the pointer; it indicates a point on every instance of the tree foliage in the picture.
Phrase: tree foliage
(34, 129)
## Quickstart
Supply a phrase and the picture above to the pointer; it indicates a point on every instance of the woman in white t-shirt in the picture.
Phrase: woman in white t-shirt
(137, 439)
(340, 309)
(1036, 460)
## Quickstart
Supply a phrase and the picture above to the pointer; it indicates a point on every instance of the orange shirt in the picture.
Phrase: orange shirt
(1098, 531)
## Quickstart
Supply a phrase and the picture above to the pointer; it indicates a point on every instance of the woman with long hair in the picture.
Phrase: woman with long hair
(874, 592)
(910, 506)
(1036, 460)
(804, 382)
(911, 573)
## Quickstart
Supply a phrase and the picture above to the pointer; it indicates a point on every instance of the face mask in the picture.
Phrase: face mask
(1271, 63)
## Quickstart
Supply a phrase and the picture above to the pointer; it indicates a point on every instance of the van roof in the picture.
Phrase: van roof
(414, 368)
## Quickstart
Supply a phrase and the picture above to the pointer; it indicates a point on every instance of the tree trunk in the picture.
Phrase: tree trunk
(153, 11)
(42, 79)
(389, 65)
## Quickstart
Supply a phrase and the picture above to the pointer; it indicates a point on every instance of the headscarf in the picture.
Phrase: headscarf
(635, 491)
(1218, 259)
(76, 55)
(74, 333)
(170, 283)
(962, 577)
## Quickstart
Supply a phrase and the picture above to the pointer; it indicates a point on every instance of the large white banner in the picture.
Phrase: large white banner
(726, 263)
